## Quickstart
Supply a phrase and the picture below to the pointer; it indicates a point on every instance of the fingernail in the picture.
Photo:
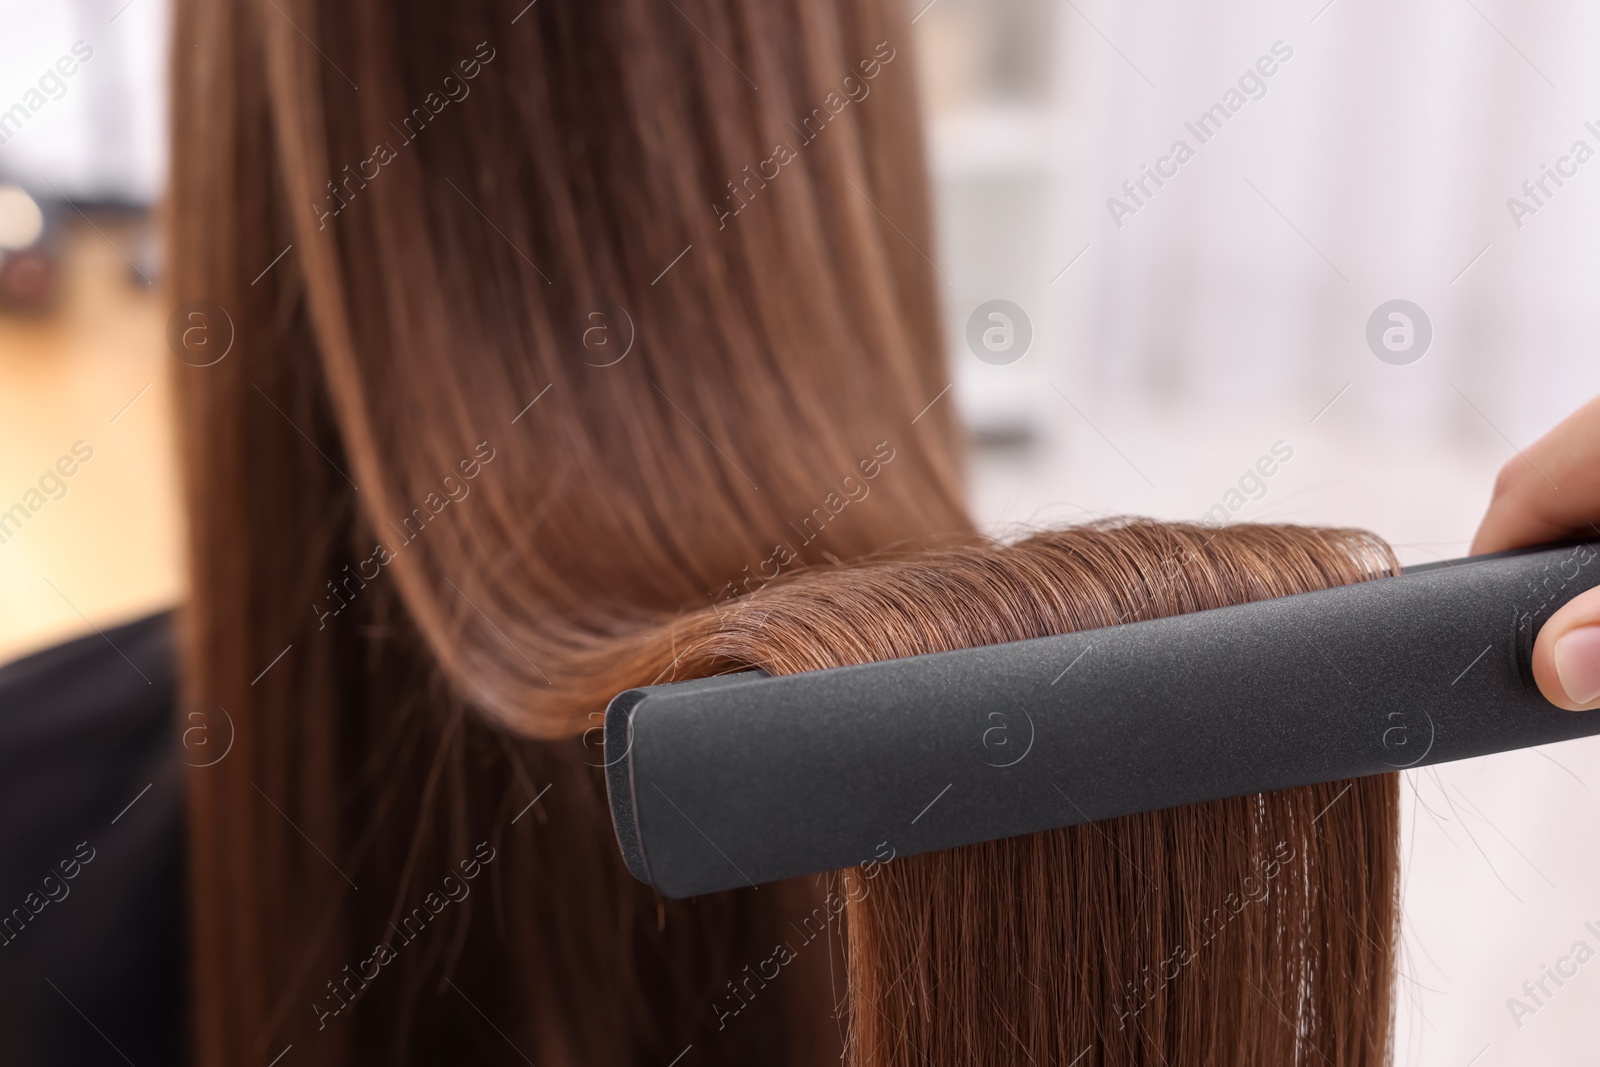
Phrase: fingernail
(1577, 656)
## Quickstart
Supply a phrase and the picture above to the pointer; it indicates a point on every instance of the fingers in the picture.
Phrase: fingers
(1566, 657)
(1549, 491)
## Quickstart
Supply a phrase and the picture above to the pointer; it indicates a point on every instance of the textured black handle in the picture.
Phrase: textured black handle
(745, 778)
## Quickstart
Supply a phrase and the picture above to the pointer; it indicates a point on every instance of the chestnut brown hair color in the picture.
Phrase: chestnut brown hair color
(1257, 930)
(435, 524)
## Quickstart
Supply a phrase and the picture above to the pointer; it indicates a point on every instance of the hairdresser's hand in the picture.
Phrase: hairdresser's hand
(1528, 509)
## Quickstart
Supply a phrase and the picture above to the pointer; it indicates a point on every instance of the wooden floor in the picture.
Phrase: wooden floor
(96, 371)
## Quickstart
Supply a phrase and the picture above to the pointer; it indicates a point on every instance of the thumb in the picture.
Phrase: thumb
(1566, 657)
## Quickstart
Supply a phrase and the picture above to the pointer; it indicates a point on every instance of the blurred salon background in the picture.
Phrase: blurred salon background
(1177, 331)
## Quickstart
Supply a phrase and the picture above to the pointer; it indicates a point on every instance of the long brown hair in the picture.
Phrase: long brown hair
(563, 337)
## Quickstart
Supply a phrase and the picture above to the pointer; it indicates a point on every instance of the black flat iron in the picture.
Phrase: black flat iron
(748, 778)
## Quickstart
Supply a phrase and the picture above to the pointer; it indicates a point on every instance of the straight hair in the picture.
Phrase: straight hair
(436, 520)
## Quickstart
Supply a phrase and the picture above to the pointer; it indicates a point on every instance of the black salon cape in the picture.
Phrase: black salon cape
(95, 974)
